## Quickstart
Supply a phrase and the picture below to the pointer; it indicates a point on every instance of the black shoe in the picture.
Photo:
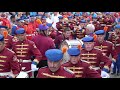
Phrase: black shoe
(113, 73)
(118, 74)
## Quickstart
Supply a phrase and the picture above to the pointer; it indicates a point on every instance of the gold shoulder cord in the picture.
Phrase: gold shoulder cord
(52, 76)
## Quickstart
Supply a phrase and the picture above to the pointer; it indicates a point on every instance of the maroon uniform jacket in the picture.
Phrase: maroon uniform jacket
(43, 43)
(82, 70)
(60, 38)
(62, 72)
(109, 22)
(8, 41)
(24, 50)
(53, 34)
(9, 61)
(100, 19)
(97, 25)
(95, 57)
(112, 38)
(107, 48)
(116, 41)
(71, 25)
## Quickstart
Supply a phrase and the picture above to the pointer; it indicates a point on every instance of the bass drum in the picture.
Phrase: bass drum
(69, 44)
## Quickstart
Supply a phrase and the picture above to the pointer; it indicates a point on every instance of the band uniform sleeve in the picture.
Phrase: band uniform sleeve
(39, 75)
(36, 52)
(113, 53)
(106, 60)
(91, 73)
(52, 44)
(14, 63)
(57, 42)
(9, 42)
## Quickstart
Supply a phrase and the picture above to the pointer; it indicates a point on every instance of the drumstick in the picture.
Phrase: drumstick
(29, 71)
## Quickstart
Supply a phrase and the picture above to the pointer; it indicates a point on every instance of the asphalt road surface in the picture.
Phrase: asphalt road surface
(114, 76)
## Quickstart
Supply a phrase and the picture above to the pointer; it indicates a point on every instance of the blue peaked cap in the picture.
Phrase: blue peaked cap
(88, 39)
(73, 51)
(100, 32)
(54, 55)
(20, 31)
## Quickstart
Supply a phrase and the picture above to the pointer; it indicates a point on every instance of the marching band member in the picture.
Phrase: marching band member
(43, 43)
(60, 38)
(106, 46)
(8, 61)
(54, 69)
(24, 50)
(115, 39)
(81, 68)
(95, 56)
(7, 37)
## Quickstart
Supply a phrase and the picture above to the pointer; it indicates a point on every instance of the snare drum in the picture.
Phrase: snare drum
(23, 75)
(69, 44)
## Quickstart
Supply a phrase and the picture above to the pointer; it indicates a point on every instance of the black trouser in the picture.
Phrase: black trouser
(42, 63)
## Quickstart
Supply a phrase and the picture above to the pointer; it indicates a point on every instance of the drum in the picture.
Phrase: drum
(23, 75)
(69, 44)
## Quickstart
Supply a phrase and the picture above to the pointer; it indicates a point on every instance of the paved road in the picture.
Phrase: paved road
(114, 76)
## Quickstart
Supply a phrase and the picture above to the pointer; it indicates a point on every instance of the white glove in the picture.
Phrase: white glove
(112, 65)
(1, 22)
(104, 74)
(34, 67)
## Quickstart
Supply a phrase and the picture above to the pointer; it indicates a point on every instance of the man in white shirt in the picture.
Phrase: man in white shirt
(55, 19)
(48, 18)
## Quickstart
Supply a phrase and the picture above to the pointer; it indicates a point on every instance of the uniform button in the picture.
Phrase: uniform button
(52, 73)
(101, 47)
(22, 43)
(21, 50)
(73, 68)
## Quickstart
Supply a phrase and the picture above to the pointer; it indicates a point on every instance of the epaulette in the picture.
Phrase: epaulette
(68, 70)
(85, 61)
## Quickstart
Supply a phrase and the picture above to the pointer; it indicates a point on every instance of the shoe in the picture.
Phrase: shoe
(113, 73)
(118, 74)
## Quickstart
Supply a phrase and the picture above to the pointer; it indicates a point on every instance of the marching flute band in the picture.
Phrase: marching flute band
(59, 44)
